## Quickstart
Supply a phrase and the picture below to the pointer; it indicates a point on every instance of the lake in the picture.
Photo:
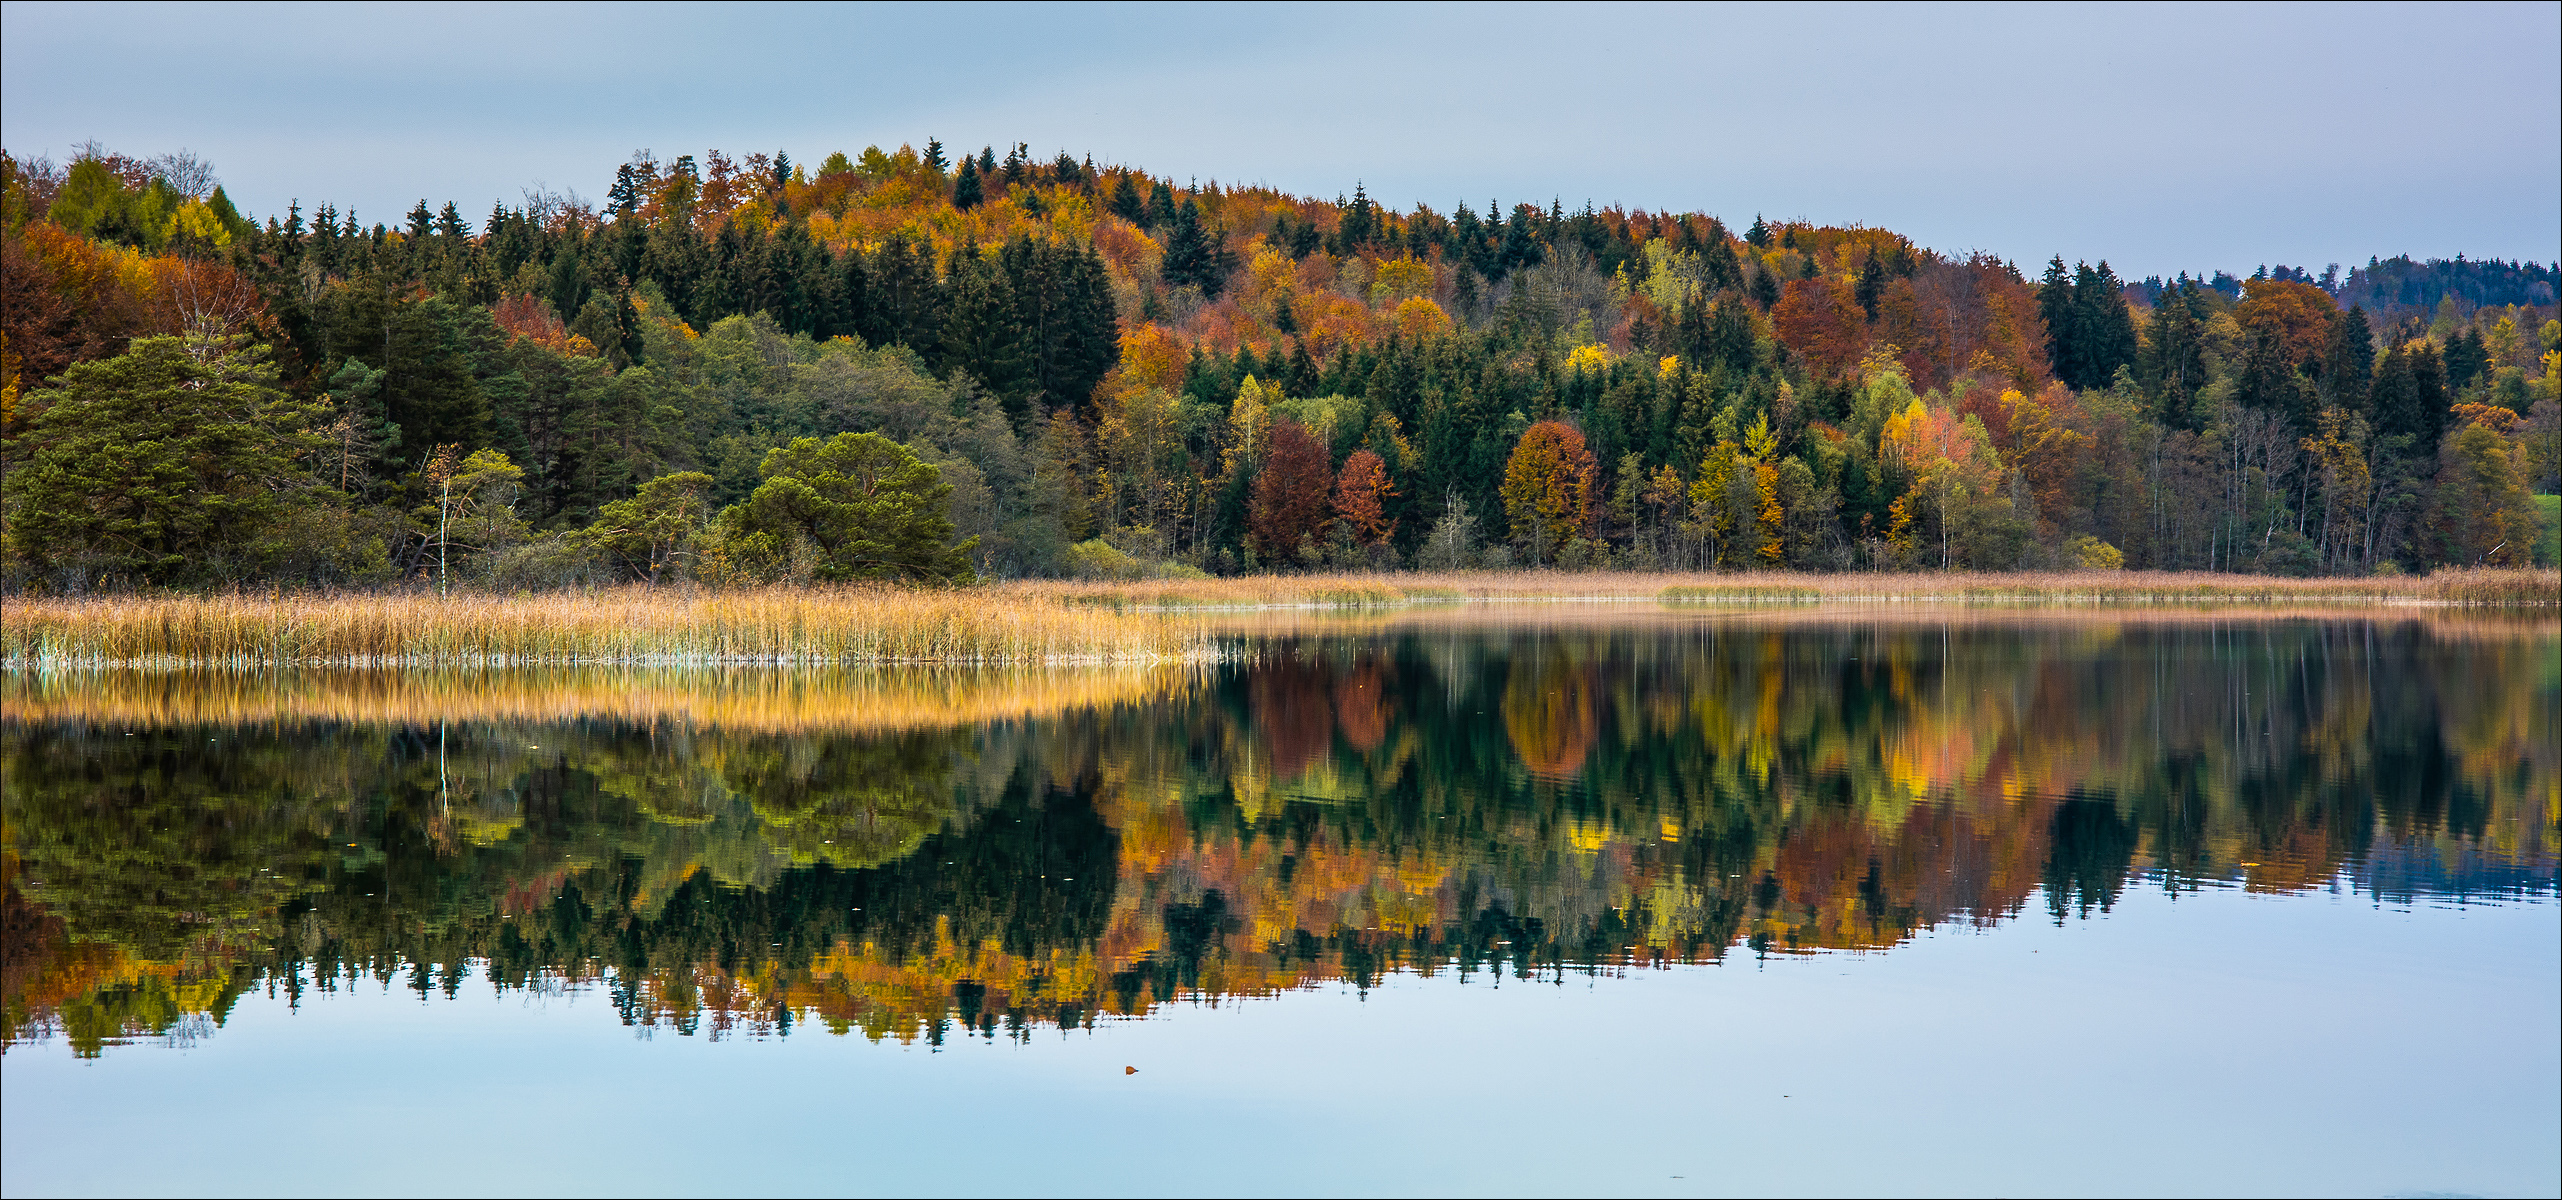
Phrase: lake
(1537, 899)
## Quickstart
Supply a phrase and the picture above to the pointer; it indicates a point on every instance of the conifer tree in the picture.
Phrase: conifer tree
(1190, 259)
(1872, 285)
(1126, 203)
(2055, 309)
(2348, 363)
(966, 193)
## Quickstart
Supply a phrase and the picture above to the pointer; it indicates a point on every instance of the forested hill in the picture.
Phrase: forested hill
(1085, 369)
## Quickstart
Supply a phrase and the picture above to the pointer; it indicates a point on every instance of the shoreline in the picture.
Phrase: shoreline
(1063, 623)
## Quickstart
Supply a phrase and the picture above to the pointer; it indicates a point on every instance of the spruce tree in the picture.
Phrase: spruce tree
(1759, 234)
(966, 193)
(1187, 252)
(1160, 206)
(1126, 203)
(2175, 362)
(2268, 382)
(1872, 285)
(980, 332)
(2055, 308)
(2348, 366)
(1765, 289)
(2103, 329)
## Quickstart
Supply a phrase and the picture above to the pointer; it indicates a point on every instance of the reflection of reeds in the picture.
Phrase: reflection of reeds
(753, 700)
(624, 625)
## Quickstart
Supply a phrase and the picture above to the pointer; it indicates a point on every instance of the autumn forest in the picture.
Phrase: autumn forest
(951, 365)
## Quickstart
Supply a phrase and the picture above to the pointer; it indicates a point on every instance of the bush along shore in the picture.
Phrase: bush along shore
(1034, 622)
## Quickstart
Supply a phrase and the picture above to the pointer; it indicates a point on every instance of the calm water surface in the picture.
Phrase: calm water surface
(1692, 904)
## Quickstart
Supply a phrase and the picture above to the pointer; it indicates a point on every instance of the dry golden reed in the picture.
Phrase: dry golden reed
(2540, 587)
(1024, 623)
(773, 626)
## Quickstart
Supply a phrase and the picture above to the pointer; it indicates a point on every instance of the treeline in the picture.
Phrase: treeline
(1082, 369)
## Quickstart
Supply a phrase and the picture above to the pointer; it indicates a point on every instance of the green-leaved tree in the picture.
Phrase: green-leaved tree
(854, 506)
(168, 464)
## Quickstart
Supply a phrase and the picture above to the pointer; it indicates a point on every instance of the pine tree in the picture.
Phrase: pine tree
(965, 191)
(1160, 206)
(934, 155)
(1759, 234)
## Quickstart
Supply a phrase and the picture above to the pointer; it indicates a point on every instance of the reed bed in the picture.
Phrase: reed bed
(1029, 623)
(734, 699)
(773, 626)
(2493, 586)
(2445, 622)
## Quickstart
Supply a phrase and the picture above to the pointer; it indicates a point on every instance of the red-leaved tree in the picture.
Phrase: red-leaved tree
(1361, 498)
(1293, 496)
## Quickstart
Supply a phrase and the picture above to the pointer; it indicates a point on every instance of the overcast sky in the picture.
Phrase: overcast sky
(2161, 138)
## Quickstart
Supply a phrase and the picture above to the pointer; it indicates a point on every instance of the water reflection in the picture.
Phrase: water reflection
(941, 854)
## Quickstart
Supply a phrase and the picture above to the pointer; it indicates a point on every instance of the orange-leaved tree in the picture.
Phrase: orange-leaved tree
(1292, 498)
(1361, 497)
(1548, 489)
(2298, 315)
(1817, 319)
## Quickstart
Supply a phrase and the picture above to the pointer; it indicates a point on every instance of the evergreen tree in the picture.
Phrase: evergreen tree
(1730, 340)
(1160, 206)
(966, 193)
(2269, 382)
(2175, 362)
(934, 155)
(906, 300)
(1872, 285)
(1126, 203)
(1759, 235)
(1765, 289)
(979, 331)
(2103, 328)
(1190, 259)
(2055, 308)
(2348, 363)
(2465, 358)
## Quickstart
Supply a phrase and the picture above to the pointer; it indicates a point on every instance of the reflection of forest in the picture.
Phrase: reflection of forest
(1331, 808)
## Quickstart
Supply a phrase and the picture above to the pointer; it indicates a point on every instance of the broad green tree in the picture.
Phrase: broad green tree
(854, 506)
(168, 464)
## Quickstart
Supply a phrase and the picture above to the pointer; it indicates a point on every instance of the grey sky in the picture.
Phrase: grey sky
(2159, 137)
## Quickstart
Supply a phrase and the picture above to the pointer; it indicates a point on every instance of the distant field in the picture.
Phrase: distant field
(1022, 623)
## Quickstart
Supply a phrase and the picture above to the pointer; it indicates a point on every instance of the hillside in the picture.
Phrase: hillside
(1114, 372)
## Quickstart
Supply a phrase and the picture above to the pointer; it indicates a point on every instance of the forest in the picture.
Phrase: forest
(911, 364)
